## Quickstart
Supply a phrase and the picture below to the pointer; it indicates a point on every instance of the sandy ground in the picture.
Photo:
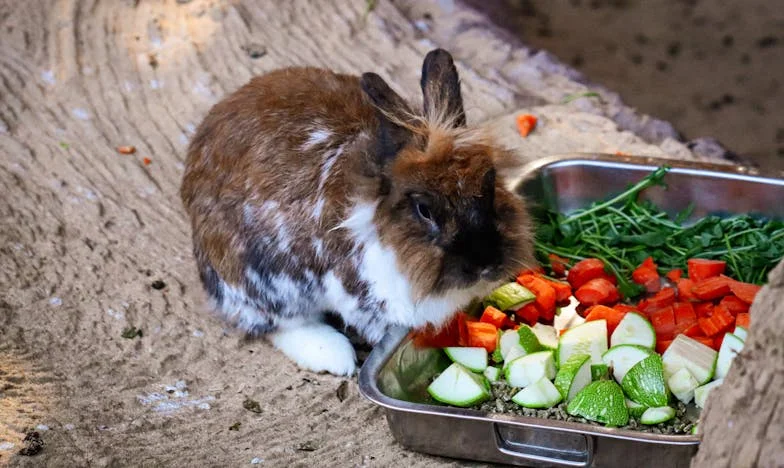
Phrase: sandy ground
(93, 242)
(711, 68)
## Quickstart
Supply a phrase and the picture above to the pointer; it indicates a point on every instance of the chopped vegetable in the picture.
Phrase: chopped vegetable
(634, 329)
(685, 352)
(622, 358)
(744, 291)
(743, 320)
(574, 375)
(544, 292)
(558, 265)
(459, 386)
(730, 347)
(540, 394)
(473, 359)
(527, 369)
(645, 384)
(597, 291)
(657, 415)
(701, 393)
(493, 316)
(720, 321)
(701, 268)
(510, 296)
(601, 401)
(587, 338)
(525, 124)
(126, 149)
(674, 275)
(481, 334)
(647, 276)
(584, 271)
(611, 315)
(711, 288)
(682, 385)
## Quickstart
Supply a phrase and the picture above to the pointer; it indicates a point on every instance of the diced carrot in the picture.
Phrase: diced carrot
(482, 334)
(525, 123)
(493, 316)
(694, 331)
(562, 290)
(546, 316)
(663, 298)
(662, 345)
(684, 314)
(711, 288)
(717, 341)
(609, 277)
(462, 320)
(545, 294)
(743, 320)
(663, 321)
(717, 323)
(746, 292)
(684, 289)
(705, 340)
(597, 291)
(612, 316)
(537, 270)
(703, 309)
(528, 313)
(734, 305)
(674, 275)
(701, 268)
(558, 265)
(432, 337)
(625, 308)
(584, 271)
(647, 277)
(648, 263)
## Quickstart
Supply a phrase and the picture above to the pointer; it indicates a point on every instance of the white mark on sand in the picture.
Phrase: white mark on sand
(80, 113)
(198, 333)
(155, 84)
(47, 76)
(183, 138)
(69, 427)
(56, 301)
(42, 427)
(117, 315)
(6, 445)
(256, 461)
(173, 398)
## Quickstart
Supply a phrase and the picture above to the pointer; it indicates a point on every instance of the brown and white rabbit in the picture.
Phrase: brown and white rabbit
(312, 192)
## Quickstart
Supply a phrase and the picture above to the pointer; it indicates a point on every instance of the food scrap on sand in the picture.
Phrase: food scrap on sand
(525, 124)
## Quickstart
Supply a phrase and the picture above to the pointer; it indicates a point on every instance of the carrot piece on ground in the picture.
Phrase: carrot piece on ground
(525, 123)
(684, 289)
(482, 334)
(663, 321)
(703, 309)
(493, 316)
(734, 305)
(558, 265)
(662, 345)
(743, 320)
(545, 294)
(674, 275)
(684, 314)
(647, 277)
(701, 268)
(584, 271)
(694, 330)
(711, 288)
(528, 313)
(745, 291)
(597, 291)
(612, 316)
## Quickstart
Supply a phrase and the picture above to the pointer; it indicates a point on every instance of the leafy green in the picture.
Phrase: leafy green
(624, 230)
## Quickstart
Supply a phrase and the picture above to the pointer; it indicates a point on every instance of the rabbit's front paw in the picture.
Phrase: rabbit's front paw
(317, 347)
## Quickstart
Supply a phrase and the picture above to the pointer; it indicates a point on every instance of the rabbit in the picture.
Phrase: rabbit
(313, 192)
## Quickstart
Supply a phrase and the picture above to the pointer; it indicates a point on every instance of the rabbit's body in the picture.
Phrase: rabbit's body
(295, 213)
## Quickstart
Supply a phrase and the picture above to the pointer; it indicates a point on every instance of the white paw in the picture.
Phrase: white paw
(317, 347)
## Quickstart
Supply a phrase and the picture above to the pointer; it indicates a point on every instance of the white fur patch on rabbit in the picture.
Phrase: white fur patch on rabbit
(316, 347)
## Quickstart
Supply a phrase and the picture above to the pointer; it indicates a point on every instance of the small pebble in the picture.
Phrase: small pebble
(256, 461)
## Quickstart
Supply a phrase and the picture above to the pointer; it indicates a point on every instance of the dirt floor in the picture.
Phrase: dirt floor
(711, 68)
(106, 351)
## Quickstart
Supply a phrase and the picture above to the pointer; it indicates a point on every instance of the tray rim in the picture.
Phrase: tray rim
(383, 351)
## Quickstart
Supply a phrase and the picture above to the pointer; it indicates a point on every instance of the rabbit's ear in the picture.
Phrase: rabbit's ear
(391, 111)
(441, 89)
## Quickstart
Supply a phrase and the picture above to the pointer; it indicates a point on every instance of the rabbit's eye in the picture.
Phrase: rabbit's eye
(424, 211)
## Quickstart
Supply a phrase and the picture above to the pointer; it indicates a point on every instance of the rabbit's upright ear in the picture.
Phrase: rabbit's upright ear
(391, 110)
(441, 88)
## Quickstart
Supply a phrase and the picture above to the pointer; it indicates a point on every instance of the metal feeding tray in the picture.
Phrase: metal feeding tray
(396, 374)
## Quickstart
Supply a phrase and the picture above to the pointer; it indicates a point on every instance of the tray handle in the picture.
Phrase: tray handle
(544, 447)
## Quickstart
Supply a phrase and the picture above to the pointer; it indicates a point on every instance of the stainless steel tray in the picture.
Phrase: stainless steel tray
(396, 374)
